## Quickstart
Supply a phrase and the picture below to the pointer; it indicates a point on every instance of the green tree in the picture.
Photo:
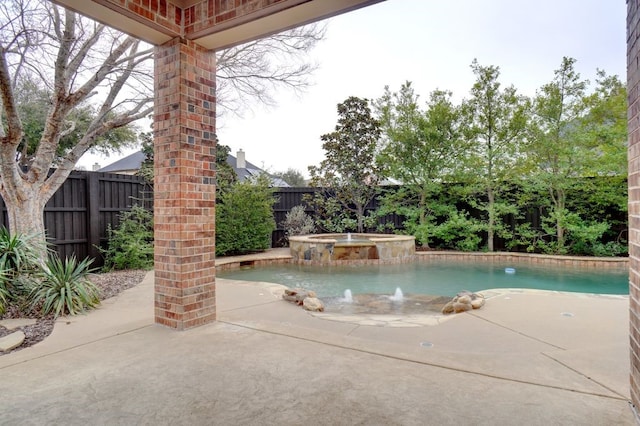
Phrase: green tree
(557, 147)
(32, 104)
(575, 136)
(146, 167)
(494, 124)
(244, 217)
(293, 177)
(605, 125)
(225, 175)
(349, 175)
(422, 149)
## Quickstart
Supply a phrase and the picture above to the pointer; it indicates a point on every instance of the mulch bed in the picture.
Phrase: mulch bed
(110, 284)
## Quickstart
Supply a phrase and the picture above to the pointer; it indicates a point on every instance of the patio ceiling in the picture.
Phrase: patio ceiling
(197, 20)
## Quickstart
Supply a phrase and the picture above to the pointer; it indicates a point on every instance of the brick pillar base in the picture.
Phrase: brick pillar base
(633, 87)
(184, 187)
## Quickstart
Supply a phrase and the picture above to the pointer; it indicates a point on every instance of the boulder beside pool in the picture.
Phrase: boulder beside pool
(464, 301)
(297, 295)
(305, 298)
(313, 304)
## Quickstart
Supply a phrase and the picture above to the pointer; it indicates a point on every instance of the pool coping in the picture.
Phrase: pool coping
(533, 258)
(283, 255)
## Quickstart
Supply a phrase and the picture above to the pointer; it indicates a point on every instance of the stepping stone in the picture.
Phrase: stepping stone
(11, 324)
(11, 341)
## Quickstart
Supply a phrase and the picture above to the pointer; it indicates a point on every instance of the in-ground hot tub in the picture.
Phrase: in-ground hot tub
(352, 248)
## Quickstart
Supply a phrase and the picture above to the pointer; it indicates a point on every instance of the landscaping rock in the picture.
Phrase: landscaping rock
(464, 301)
(461, 307)
(297, 295)
(477, 303)
(13, 323)
(11, 341)
(305, 298)
(313, 304)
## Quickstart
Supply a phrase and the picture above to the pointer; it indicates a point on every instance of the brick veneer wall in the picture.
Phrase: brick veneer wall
(184, 192)
(208, 13)
(633, 78)
(166, 15)
(162, 14)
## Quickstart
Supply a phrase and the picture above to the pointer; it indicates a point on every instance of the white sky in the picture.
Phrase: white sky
(431, 43)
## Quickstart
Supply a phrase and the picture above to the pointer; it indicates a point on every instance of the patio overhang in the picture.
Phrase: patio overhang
(210, 24)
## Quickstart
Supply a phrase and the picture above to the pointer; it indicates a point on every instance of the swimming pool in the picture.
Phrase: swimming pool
(436, 278)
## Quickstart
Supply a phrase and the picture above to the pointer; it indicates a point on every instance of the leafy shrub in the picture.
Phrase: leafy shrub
(244, 217)
(65, 287)
(459, 232)
(585, 236)
(130, 245)
(297, 222)
(610, 249)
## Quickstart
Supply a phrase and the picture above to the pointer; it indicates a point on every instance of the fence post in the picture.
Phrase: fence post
(93, 215)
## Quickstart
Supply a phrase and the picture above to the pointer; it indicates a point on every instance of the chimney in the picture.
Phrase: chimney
(96, 167)
(241, 163)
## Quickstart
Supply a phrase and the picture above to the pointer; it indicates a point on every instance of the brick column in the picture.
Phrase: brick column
(633, 87)
(184, 186)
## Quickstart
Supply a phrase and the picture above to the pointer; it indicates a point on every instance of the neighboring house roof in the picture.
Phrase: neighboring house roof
(128, 164)
(251, 170)
(131, 164)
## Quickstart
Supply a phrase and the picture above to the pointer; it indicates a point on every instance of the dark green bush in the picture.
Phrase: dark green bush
(130, 245)
(244, 218)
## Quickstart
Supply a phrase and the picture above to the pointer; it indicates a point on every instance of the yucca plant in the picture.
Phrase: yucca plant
(18, 252)
(19, 264)
(64, 287)
(4, 291)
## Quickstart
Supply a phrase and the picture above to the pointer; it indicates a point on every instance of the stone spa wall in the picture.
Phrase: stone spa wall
(326, 249)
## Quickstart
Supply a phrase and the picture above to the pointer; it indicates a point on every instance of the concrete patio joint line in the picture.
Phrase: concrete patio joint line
(517, 332)
(2, 367)
(591, 379)
(429, 364)
(240, 308)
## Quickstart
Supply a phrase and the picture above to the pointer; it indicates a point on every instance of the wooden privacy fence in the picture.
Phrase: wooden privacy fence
(77, 216)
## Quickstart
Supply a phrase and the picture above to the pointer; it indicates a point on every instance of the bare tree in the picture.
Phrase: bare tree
(252, 71)
(79, 62)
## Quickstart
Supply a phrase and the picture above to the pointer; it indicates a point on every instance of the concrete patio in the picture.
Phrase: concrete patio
(527, 357)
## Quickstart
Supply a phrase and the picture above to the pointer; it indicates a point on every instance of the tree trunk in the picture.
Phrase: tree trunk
(492, 220)
(423, 215)
(26, 218)
(360, 214)
(560, 229)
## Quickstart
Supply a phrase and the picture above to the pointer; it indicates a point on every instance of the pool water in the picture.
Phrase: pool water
(441, 279)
